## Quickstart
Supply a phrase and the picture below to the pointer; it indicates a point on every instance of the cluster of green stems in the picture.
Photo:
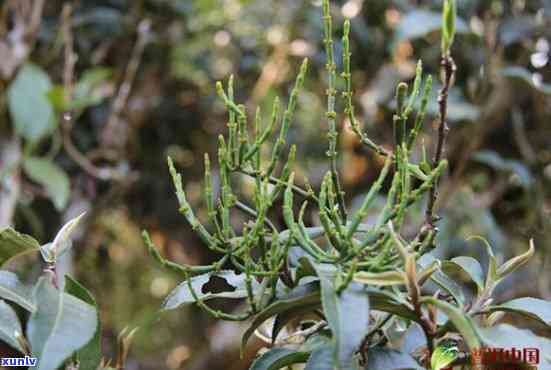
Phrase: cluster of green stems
(260, 249)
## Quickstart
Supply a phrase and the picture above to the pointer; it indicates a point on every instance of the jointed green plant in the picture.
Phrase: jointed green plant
(369, 288)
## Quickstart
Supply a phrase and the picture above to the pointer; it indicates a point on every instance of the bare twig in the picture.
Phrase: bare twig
(110, 134)
(448, 69)
(18, 40)
(520, 136)
(67, 116)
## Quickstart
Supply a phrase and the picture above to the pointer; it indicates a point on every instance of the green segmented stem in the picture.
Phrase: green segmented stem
(261, 138)
(373, 191)
(173, 266)
(348, 95)
(186, 210)
(331, 115)
(287, 117)
(415, 92)
(209, 198)
(227, 198)
(420, 117)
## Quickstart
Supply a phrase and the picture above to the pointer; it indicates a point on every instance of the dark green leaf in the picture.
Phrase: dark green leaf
(320, 359)
(285, 317)
(413, 339)
(460, 320)
(469, 266)
(278, 358)
(534, 308)
(307, 295)
(181, 294)
(346, 313)
(12, 289)
(31, 112)
(10, 327)
(13, 244)
(390, 359)
(51, 176)
(443, 280)
(89, 356)
(61, 325)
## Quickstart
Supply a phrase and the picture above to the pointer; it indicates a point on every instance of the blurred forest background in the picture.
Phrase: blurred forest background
(94, 94)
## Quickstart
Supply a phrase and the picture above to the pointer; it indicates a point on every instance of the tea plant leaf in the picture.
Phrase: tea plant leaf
(442, 280)
(89, 356)
(13, 244)
(535, 308)
(181, 295)
(461, 321)
(302, 296)
(390, 359)
(321, 358)
(468, 265)
(413, 339)
(12, 289)
(60, 325)
(516, 262)
(385, 301)
(284, 318)
(449, 15)
(10, 327)
(31, 112)
(491, 276)
(386, 278)
(346, 313)
(62, 241)
(278, 358)
(51, 176)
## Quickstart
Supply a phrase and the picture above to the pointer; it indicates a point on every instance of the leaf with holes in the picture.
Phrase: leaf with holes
(181, 295)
